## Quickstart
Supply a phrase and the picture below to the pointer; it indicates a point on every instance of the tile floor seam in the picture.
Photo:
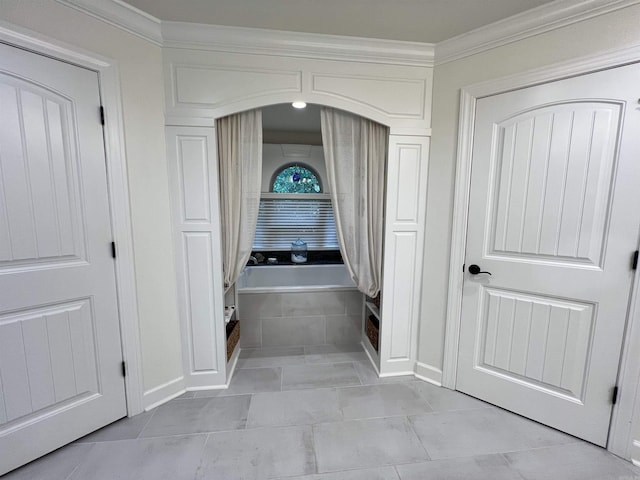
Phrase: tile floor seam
(413, 430)
(576, 441)
(511, 467)
(272, 366)
(315, 453)
(153, 413)
(84, 459)
(75, 469)
(246, 420)
(175, 435)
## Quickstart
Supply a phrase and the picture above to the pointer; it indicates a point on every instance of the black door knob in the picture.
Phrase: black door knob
(475, 270)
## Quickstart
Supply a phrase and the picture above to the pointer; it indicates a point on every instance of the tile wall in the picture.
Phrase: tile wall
(300, 318)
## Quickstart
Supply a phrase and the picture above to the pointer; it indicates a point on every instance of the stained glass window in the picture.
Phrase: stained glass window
(296, 179)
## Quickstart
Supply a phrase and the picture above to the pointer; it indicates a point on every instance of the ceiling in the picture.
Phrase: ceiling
(429, 21)
(283, 117)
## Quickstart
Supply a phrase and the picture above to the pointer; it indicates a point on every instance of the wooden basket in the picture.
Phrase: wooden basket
(372, 328)
(233, 337)
(376, 300)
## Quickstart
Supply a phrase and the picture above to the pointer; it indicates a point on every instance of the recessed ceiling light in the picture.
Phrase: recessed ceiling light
(298, 105)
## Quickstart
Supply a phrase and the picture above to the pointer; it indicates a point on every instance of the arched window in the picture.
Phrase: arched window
(296, 179)
(284, 218)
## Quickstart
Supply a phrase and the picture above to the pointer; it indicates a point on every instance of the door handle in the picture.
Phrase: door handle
(475, 270)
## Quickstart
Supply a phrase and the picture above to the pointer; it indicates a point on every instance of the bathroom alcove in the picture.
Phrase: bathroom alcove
(319, 305)
(203, 85)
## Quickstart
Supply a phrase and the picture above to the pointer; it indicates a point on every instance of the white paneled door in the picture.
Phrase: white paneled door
(554, 216)
(60, 354)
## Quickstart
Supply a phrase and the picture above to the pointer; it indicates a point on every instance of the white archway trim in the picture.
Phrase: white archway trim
(107, 70)
(620, 438)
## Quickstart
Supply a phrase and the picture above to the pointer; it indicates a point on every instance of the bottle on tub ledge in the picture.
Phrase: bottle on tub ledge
(299, 251)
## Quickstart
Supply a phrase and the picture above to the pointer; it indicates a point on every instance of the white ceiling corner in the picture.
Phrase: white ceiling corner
(544, 18)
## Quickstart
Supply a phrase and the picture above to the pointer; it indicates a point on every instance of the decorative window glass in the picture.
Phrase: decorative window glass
(296, 179)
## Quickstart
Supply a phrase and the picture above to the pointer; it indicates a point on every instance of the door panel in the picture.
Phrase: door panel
(555, 209)
(553, 216)
(540, 340)
(60, 351)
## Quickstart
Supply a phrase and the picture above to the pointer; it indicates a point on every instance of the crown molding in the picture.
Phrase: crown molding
(544, 18)
(121, 15)
(295, 44)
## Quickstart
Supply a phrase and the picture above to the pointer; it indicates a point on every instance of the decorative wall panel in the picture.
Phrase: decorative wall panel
(213, 87)
(392, 96)
(195, 203)
(404, 236)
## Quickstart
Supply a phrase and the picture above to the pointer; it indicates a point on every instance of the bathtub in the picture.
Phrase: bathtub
(294, 278)
(297, 305)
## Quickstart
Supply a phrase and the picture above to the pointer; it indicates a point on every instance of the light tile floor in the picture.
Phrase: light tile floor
(321, 413)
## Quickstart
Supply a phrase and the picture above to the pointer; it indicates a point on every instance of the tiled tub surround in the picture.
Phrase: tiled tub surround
(313, 317)
(298, 305)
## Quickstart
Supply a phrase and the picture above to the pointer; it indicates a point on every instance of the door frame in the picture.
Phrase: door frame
(109, 86)
(620, 440)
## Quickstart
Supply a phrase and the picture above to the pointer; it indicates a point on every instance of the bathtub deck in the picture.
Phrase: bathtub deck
(321, 413)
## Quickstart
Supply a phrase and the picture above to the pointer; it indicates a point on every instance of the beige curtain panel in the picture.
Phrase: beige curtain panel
(240, 165)
(355, 151)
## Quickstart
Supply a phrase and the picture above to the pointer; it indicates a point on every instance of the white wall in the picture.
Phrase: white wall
(274, 157)
(614, 30)
(142, 86)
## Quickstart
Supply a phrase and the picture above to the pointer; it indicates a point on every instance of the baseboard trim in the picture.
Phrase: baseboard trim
(396, 374)
(163, 393)
(428, 374)
(635, 453)
(231, 365)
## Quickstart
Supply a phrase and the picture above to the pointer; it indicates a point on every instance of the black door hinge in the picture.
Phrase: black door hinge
(101, 115)
(634, 262)
(124, 369)
(113, 249)
(614, 395)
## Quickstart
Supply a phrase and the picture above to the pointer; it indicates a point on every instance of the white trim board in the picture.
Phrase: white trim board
(619, 442)
(163, 393)
(107, 70)
(428, 373)
(121, 15)
(295, 44)
(626, 415)
(536, 21)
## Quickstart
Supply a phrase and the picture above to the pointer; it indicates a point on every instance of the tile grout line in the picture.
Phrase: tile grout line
(424, 447)
(511, 467)
(246, 422)
(315, 453)
(146, 424)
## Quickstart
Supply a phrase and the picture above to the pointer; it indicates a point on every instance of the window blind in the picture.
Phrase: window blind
(282, 221)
